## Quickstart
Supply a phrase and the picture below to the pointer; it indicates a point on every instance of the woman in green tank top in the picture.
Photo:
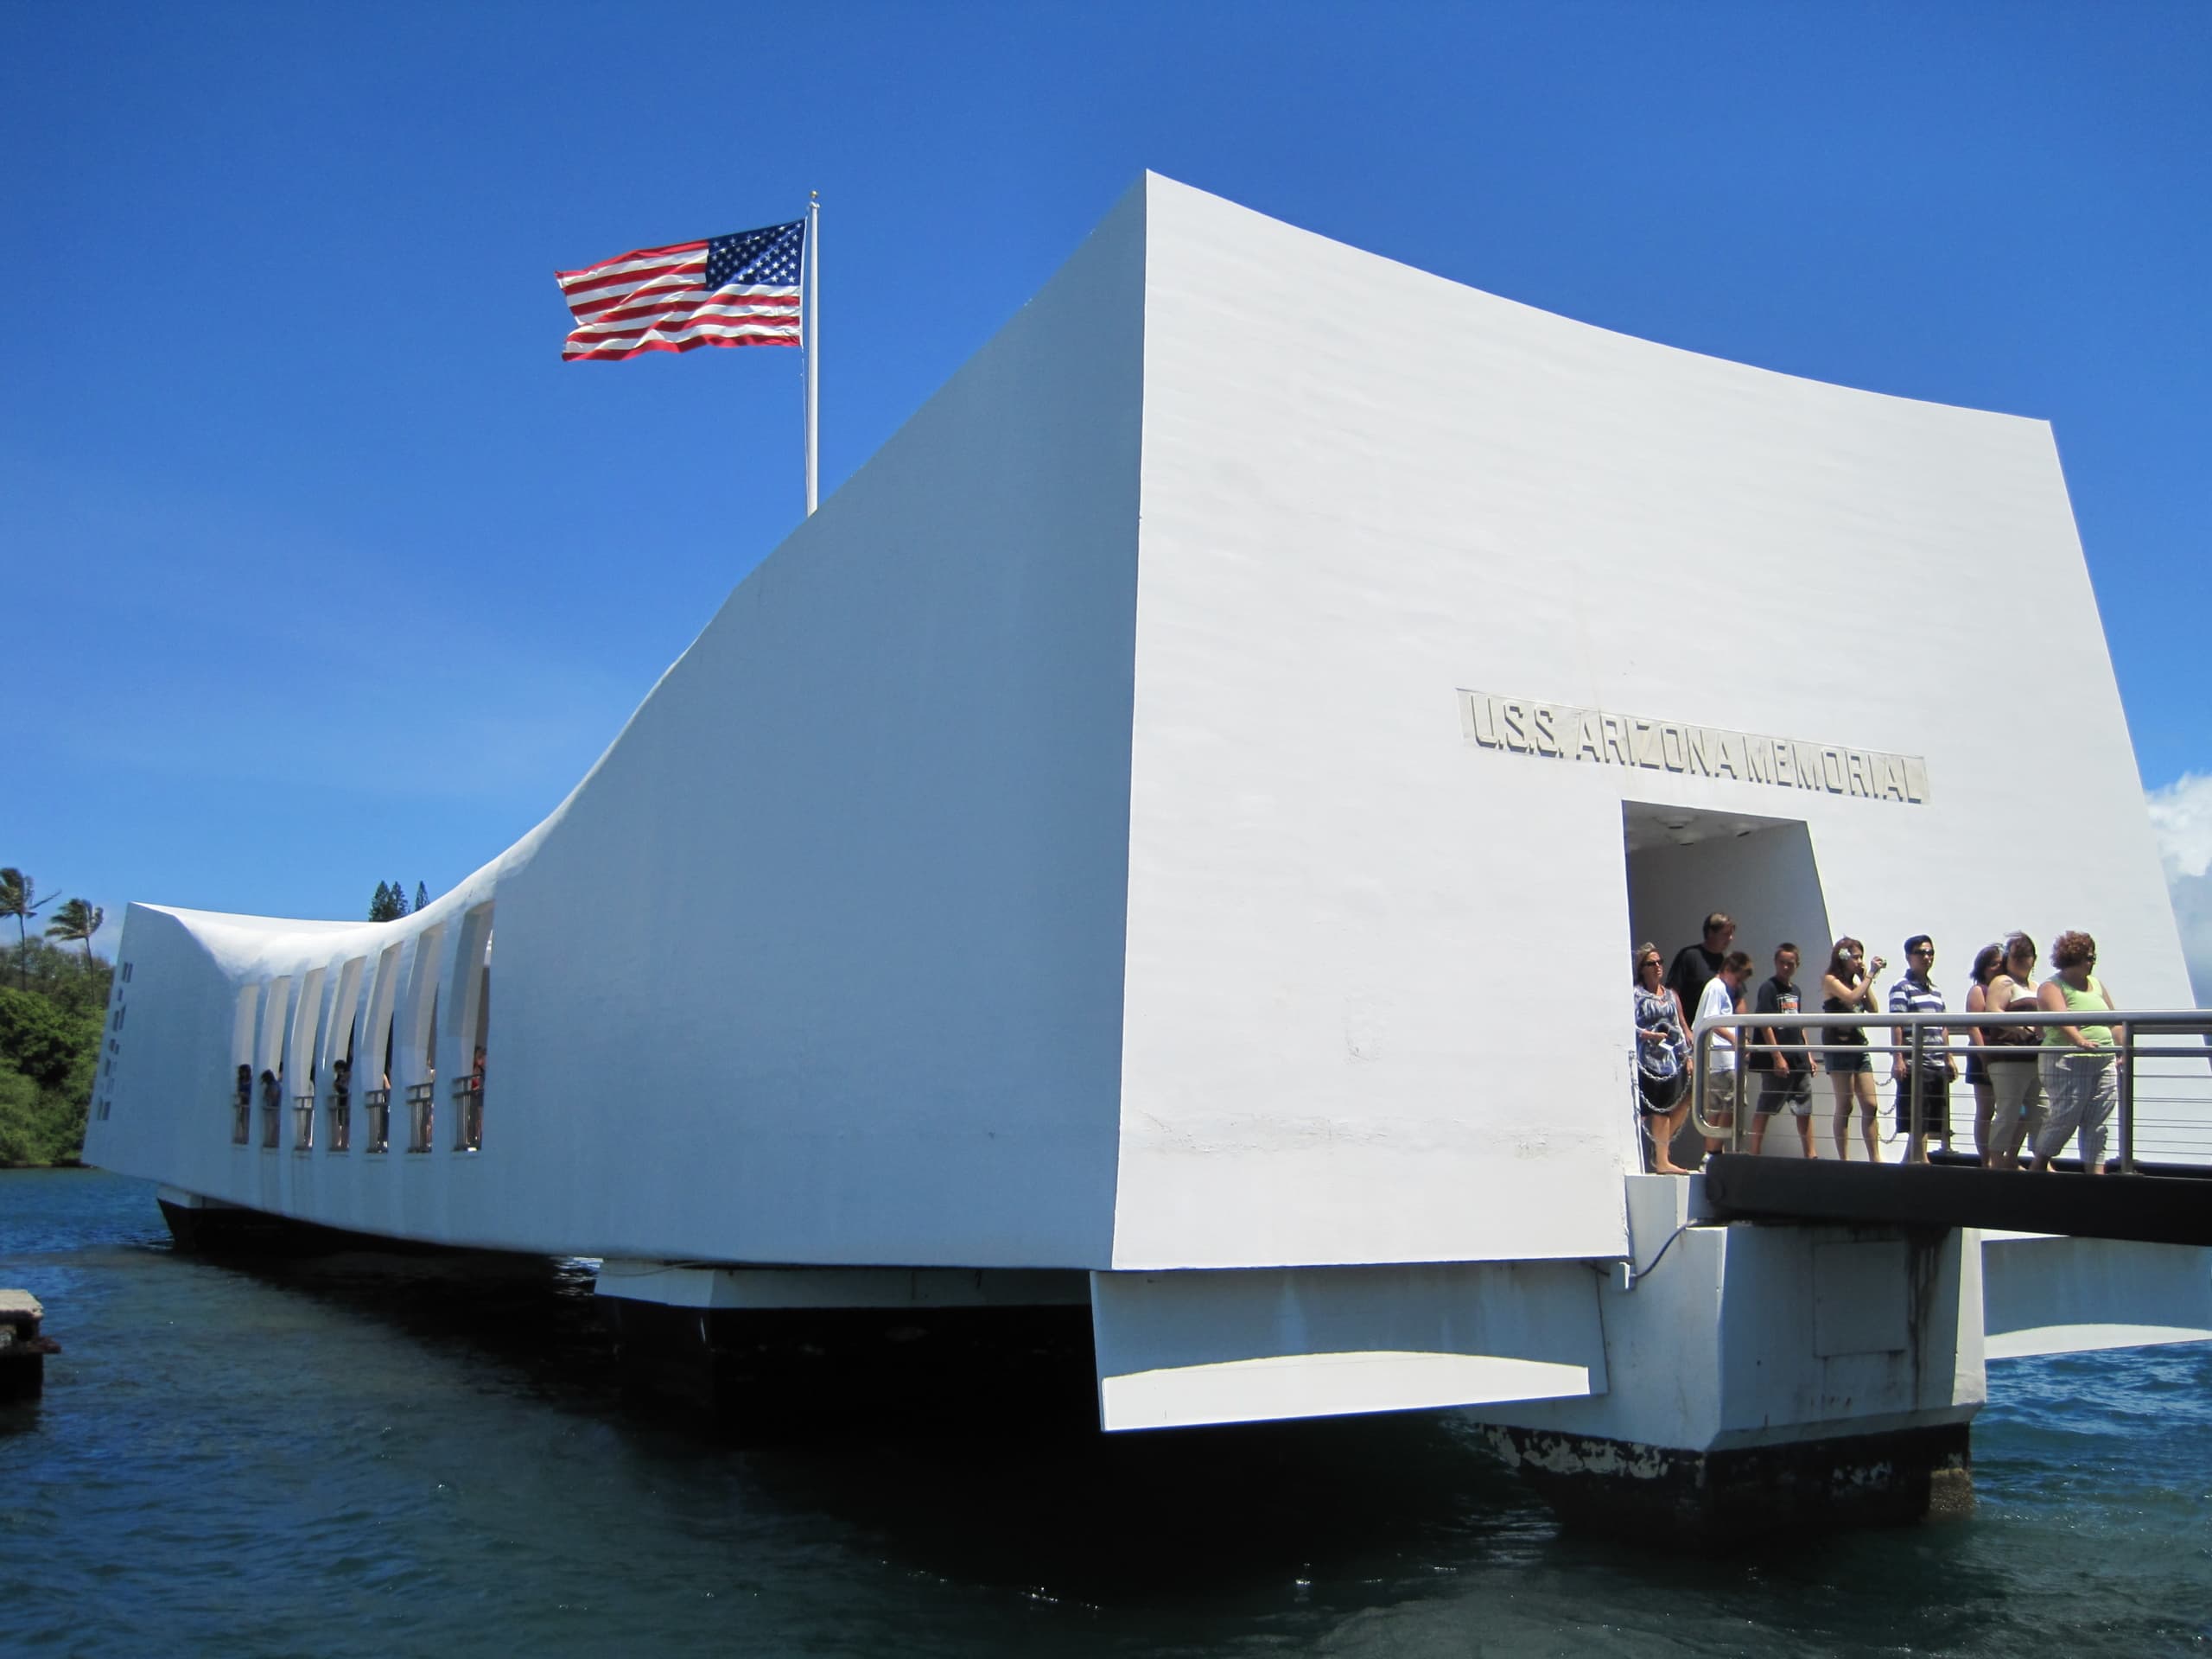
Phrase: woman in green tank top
(2078, 1060)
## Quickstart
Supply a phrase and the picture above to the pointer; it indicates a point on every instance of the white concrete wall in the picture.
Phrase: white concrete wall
(822, 962)
(851, 991)
(1748, 1335)
(2048, 1295)
(1375, 1001)
(1176, 1349)
(1066, 850)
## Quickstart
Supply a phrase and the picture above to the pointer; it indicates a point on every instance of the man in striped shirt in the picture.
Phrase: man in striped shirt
(1915, 993)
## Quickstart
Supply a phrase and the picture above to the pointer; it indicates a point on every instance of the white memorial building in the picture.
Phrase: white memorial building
(1167, 836)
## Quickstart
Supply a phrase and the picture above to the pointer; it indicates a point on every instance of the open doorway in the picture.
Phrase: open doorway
(1683, 864)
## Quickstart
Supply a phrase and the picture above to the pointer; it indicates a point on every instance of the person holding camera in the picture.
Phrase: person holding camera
(1848, 988)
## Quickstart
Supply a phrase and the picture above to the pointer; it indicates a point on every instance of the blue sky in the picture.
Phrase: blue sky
(323, 568)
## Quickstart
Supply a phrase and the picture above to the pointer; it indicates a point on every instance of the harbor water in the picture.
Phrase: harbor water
(370, 1455)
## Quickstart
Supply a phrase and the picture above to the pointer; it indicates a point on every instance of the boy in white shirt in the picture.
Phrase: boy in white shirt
(1720, 996)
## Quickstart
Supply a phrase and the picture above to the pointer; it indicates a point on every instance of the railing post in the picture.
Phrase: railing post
(1916, 1149)
(1698, 1114)
(1736, 1097)
(2126, 1062)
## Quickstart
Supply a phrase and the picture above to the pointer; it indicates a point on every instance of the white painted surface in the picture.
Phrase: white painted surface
(1064, 852)
(1326, 1385)
(1239, 1345)
(2048, 1295)
(1721, 1342)
(1376, 994)
(861, 1002)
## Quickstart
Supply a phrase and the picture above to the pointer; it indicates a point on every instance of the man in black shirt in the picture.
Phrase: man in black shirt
(1696, 965)
(1786, 1073)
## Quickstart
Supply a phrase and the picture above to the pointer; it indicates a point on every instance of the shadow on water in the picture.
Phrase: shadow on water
(1013, 1488)
(469, 1441)
(1330, 1516)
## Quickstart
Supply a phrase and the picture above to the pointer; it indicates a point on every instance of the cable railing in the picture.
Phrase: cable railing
(2161, 1062)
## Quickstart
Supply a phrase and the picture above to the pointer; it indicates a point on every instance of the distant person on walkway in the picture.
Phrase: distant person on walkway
(1662, 1051)
(2079, 1062)
(243, 1102)
(1916, 993)
(1694, 965)
(272, 1102)
(1988, 961)
(1848, 988)
(1786, 1070)
(2010, 1054)
(1723, 992)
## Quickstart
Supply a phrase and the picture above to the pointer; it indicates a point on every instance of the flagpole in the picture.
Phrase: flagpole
(813, 345)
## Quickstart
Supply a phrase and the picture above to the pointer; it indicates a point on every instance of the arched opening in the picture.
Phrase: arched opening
(472, 976)
(345, 1027)
(419, 1039)
(379, 1025)
(299, 1058)
(269, 1046)
(242, 1019)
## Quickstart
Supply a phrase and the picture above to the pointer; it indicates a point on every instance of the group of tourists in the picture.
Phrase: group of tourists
(2034, 1087)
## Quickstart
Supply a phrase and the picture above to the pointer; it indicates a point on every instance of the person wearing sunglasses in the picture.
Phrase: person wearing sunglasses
(1660, 1045)
(1916, 993)
(1848, 988)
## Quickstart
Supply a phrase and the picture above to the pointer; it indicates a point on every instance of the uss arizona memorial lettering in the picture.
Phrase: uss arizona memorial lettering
(1557, 731)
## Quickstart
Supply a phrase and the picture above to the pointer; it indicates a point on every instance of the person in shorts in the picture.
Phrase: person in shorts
(1722, 993)
(1848, 988)
(1916, 993)
(1785, 1065)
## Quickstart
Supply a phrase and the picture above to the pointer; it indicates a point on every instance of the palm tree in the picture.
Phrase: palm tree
(77, 920)
(15, 894)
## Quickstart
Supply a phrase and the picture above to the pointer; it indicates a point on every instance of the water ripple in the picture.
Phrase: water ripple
(369, 1457)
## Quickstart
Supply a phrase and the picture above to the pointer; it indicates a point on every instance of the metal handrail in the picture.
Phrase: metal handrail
(468, 1113)
(376, 1103)
(2126, 1050)
(422, 1115)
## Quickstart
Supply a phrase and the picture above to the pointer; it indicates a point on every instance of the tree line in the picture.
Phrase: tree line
(53, 1010)
(390, 902)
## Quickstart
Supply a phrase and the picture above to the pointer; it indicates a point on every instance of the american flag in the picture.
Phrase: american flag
(726, 290)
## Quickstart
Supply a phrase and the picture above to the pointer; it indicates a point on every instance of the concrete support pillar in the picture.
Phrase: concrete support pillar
(1764, 1376)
